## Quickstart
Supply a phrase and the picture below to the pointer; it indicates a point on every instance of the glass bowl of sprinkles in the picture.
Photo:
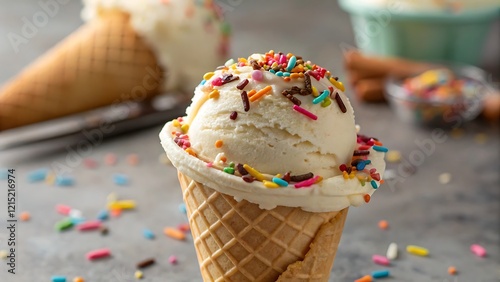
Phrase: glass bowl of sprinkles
(447, 95)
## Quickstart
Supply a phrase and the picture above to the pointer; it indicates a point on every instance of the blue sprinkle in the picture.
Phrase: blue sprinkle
(272, 71)
(120, 179)
(374, 184)
(182, 208)
(62, 180)
(203, 82)
(279, 73)
(380, 273)
(4, 174)
(148, 234)
(77, 220)
(103, 215)
(58, 279)
(368, 162)
(360, 166)
(321, 97)
(286, 74)
(280, 182)
(379, 148)
(291, 63)
(37, 175)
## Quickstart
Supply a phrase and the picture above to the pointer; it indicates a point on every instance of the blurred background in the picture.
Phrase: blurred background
(445, 201)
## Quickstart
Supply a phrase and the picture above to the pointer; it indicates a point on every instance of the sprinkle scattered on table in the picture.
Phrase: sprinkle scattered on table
(57, 278)
(452, 270)
(98, 254)
(392, 251)
(417, 250)
(89, 163)
(3, 254)
(138, 274)
(24, 216)
(444, 178)
(182, 208)
(380, 273)
(383, 224)
(37, 175)
(457, 133)
(172, 259)
(478, 250)
(480, 138)
(366, 278)
(146, 263)
(133, 159)
(174, 233)
(78, 279)
(378, 259)
(393, 156)
(120, 179)
(63, 209)
(64, 180)
(110, 159)
(148, 234)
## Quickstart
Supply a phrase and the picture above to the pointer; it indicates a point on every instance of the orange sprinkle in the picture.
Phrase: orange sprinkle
(115, 212)
(452, 270)
(378, 143)
(132, 159)
(261, 93)
(242, 60)
(383, 224)
(174, 233)
(191, 152)
(218, 143)
(367, 198)
(294, 75)
(251, 93)
(24, 216)
(78, 279)
(286, 78)
(366, 278)
(382, 181)
(223, 159)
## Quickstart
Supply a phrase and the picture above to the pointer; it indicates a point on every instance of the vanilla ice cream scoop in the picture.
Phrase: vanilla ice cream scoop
(275, 129)
(187, 36)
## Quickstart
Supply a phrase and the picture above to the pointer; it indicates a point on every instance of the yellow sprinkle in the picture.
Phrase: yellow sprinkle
(251, 93)
(243, 60)
(208, 75)
(393, 156)
(274, 65)
(122, 205)
(185, 128)
(320, 178)
(50, 178)
(289, 55)
(253, 172)
(233, 66)
(214, 94)
(236, 71)
(294, 75)
(328, 73)
(261, 93)
(270, 184)
(138, 274)
(176, 123)
(3, 254)
(352, 175)
(190, 151)
(416, 250)
(327, 102)
(315, 91)
(345, 175)
(339, 85)
(218, 143)
(279, 175)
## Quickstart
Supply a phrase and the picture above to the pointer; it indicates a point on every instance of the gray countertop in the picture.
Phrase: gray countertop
(445, 218)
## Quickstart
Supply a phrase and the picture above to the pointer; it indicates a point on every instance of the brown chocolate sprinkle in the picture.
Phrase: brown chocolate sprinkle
(301, 177)
(340, 102)
(226, 78)
(246, 102)
(255, 65)
(104, 231)
(233, 115)
(241, 169)
(356, 162)
(247, 178)
(242, 84)
(361, 152)
(146, 263)
(286, 177)
(307, 82)
(349, 170)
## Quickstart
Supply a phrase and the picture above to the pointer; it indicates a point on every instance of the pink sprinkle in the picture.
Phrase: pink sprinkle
(282, 59)
(97, 254)
(378, 259)
(210, 164)
(89, 225)
(89, 163)
(184, 227)
(305, 112)
(314, 74)
(217, 81)
(257, 75)
(63, 209)
(110, 159)
(172, 259)
(307, 183)
(478, 250)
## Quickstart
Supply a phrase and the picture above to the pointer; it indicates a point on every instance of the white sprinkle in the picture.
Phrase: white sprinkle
(392, 251)
(390, 174)
(73, 213)
(444, 178)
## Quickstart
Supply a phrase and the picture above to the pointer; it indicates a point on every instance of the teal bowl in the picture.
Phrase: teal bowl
(428, 36)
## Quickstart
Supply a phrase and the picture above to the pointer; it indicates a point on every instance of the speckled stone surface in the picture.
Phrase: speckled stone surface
(445, 218)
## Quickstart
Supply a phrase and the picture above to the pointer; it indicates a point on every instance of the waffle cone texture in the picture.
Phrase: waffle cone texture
(103, 62)
(238, 241)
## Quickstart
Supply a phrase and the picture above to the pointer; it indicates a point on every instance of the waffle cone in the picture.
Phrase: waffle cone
(238, 241)
(103, 62)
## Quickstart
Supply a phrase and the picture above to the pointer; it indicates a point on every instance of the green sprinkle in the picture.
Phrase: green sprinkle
(231, 164)
(229, 170)
(64, 224)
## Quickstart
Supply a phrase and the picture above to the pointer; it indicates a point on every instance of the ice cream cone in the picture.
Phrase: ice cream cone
(238, 241)
(103, 62)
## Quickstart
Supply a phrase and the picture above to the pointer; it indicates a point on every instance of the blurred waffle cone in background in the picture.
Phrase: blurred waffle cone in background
(238, 241)
(103, 62)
